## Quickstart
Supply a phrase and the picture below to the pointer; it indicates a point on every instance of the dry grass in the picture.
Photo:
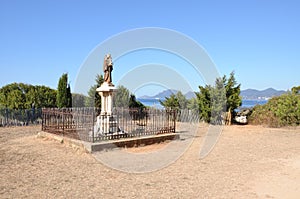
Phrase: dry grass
(247, 162)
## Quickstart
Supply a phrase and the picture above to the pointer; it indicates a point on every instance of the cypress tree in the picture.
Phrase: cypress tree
(63, 97)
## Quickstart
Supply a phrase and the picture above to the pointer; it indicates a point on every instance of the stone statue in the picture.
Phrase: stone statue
(107, 68)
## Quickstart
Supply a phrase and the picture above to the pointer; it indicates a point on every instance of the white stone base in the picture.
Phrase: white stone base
(103, 124)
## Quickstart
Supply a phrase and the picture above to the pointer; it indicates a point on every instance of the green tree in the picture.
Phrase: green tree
(16, 99)
(4, 91)
(24, 96)
(296, 90)
(223, 96)
(121, 97)
(3, 103)
(193, 104)
(233, 91)
(133, 103)
(78, 100)
(32, 97)
(183, 102)
(204, 102)
(171, 102)
(175, 101)
(64, 96)
(46, 97)
(218, 101)
(94, 98)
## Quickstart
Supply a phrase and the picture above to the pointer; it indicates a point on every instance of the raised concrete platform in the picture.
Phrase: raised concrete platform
(111, 144)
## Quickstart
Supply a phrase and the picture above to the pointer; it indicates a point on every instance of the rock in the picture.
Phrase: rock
(241, 119)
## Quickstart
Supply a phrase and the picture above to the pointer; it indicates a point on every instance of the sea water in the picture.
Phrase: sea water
(151, 102)
(245, 103)
(252, 103)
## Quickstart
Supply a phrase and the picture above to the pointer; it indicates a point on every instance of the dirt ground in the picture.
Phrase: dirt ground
(247, 162)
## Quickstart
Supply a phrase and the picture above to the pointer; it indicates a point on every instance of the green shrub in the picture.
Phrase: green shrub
(279, 111)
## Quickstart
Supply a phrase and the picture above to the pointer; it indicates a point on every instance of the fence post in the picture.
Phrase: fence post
(6, 116)
(174, 112)
(43, 120)
(63, 119)
(93, 128)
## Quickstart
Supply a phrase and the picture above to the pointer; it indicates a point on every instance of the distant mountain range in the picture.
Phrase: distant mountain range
(248, 94)
(253, 94)
(168, 93)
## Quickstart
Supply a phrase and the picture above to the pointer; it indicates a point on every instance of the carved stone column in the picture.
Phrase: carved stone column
(106, 92)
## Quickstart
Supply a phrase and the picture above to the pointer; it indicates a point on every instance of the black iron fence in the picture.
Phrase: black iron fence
(20, 117)
(85, 123)
(71, 122)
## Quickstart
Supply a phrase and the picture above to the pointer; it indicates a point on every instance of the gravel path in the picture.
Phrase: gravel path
(247, 162)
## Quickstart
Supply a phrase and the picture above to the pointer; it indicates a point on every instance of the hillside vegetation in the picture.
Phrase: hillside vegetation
(279, 111)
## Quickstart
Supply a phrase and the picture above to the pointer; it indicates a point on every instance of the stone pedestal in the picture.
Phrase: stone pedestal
(106, 124)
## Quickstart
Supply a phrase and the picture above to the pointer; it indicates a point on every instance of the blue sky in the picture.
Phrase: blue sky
(259, 40)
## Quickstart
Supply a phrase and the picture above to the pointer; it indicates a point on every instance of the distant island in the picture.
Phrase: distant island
(248, 94)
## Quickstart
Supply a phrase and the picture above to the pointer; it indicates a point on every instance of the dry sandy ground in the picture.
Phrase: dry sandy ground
(247, 162)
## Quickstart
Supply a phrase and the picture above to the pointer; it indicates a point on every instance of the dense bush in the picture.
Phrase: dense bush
(279, 111)
(26, 96)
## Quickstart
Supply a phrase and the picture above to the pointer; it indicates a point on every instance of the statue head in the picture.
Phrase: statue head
(108, 60)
